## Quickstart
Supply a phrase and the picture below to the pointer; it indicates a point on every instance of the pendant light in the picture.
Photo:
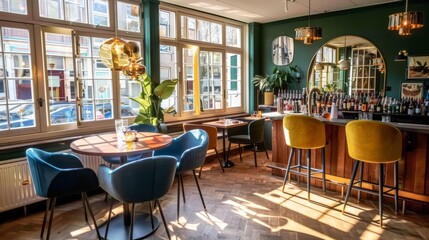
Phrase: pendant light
(344, 63)
(308, 34)
(404, 22)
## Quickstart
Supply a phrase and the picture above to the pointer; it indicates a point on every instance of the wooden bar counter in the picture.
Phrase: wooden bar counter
(413, 167)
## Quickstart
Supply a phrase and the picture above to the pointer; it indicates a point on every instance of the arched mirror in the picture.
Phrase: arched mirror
(283, 49)
(348, 64)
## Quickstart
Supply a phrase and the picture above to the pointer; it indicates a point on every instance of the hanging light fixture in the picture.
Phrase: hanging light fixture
(344, 63)
(404, 22)
(308, 34)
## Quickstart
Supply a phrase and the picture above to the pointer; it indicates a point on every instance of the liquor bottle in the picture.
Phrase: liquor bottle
(379, 106)
(417, 108)
(364, 104)
(411, 108)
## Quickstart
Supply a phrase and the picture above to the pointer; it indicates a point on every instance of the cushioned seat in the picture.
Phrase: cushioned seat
(125, 183)
(190, 150)
(304, 133)
(373, 142)
(57, 175)
(252, 134)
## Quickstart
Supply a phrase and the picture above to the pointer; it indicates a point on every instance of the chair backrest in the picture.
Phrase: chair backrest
(189, 149)
(143, 127)
(143, 180)
(211, 131)
(372, 141)
(304, 132)
(45, 166)
(256, 130)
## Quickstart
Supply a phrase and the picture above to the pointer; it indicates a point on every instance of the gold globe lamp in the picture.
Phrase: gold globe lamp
(134, 68)
(113, 53)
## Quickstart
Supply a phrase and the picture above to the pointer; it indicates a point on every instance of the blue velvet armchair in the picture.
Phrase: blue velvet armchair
(57, 175)
(190, 150)
(139, 181)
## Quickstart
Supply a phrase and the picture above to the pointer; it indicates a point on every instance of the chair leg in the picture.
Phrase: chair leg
(48, 203)
(91, 214)
(84, 208)
(183, 188)
(201, 171)
(132, 222)
(288, 168)
(108, 218)
(265, 148)
(323, 171)
(254, 154)
(349, 189)
(220, 161)
(308, 173)
(163, 218)
(395, 183)
(239, 152)
(51, 218)
(380, 193)
(199, 190)
(178, 196)
(360, 180)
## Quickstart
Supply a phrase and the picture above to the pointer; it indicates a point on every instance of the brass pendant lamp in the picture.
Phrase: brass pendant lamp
(344, 63)
(308, 34)
(404, 22)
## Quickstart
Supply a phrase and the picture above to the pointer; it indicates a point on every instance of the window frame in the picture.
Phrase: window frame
(37, 123)
(206, 46)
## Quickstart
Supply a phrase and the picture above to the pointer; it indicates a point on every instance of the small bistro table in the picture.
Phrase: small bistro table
(227, 123)
(109, 145)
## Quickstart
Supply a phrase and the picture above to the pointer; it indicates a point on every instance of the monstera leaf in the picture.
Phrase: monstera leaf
(150, 99)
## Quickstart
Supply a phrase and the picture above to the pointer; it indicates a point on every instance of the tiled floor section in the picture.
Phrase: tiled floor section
(243, 203)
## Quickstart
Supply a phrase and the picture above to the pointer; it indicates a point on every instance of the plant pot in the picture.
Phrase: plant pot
(269, 98)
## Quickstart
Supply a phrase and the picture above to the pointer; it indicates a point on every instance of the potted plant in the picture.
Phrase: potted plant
(270, 85)
(150, 98)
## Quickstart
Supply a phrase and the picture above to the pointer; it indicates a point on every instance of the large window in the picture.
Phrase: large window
(17, 107)
(14, 6)
(95, 12)
(71, 89)
(211, 73)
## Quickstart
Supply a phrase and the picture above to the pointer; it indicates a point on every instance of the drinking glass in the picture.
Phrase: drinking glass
(120, 125)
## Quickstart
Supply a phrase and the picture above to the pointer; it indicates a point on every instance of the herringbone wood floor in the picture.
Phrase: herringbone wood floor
(243, 203)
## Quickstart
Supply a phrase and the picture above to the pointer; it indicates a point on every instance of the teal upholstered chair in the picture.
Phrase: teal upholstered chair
(57, 175)
(190, 150)
(139, 128)
(139, 181)
(252, 134)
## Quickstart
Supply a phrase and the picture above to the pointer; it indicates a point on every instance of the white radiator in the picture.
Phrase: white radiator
(91, 161)
(16, 188)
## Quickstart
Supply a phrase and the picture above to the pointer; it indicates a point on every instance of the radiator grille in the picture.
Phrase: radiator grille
(15, 186)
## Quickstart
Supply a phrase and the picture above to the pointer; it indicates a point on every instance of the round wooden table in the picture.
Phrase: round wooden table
(109, 145)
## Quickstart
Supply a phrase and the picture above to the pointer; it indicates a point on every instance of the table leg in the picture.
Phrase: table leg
(226, 162)
(126, 207)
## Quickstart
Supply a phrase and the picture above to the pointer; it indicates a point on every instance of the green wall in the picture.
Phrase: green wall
(369, 22)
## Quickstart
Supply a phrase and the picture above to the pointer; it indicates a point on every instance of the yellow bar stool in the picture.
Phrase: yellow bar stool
(373, 142)
(304, 133)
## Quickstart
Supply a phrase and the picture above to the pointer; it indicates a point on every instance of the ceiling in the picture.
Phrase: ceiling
(263, 11)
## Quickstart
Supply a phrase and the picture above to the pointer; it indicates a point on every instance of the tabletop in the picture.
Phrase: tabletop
(227, 123)
(109, 145)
